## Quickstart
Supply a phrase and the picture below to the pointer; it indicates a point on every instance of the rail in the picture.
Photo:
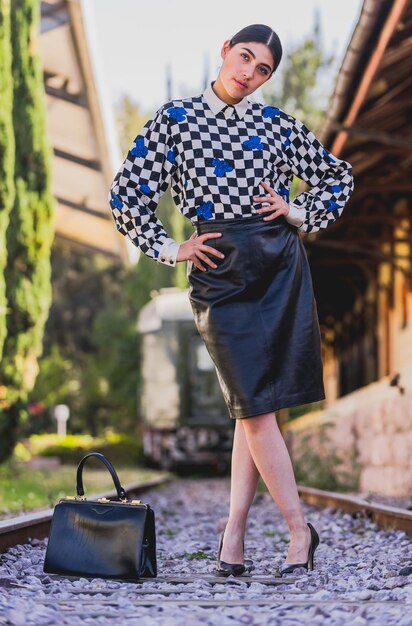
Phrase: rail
(36, 525)
(385, 516)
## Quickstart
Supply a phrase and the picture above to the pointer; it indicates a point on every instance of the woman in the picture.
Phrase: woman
(230, 163)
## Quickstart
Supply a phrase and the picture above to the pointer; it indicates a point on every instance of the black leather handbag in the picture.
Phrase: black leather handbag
(102, 538)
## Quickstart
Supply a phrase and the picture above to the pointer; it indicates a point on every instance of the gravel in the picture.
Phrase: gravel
(362, 575)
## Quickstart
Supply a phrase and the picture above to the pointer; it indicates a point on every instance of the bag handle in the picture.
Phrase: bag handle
(79, 476)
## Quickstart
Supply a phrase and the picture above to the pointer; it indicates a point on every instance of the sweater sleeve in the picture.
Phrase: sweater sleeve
(141, 180)
(329, 178)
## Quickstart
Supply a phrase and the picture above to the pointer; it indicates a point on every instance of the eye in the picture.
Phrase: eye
(264, 71)
(244, 55)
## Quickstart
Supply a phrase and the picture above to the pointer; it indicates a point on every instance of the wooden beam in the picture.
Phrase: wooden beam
(398, 7)
(366, 266)
(92, 164)
(61, 94)
(394, 92)
(370, 187)
(362, 219)
(49, 9)
(84, 246)
(365, 249)
(53, 15)
(374, 135)
(84, 208)
(375, 256)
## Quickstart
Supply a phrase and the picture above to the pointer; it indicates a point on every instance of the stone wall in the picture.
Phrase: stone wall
(371, 432)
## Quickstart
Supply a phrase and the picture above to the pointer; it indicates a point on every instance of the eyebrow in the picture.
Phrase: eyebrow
(251, 53)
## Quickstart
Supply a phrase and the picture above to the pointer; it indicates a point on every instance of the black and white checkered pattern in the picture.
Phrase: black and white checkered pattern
(215, 164)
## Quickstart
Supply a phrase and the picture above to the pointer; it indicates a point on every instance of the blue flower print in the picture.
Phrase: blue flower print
(145, 188)
(332, 205)
(221, 167)
(118, 227)
(205, 210)
(287, 140)
(253, 143)
(283, 191)
(328, 157)
(116, 202)
(336, 188)
(139, 150)
(171, 155)
(270, 111)
(185, 183)
(177, 113)
(155, 253)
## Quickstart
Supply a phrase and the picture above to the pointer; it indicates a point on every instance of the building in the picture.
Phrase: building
(81, 130)
(361, 265)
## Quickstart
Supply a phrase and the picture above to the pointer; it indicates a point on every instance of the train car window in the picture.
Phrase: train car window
(203, 397)
(203, 361)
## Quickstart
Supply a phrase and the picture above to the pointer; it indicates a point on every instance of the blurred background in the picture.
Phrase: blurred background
(97, 343)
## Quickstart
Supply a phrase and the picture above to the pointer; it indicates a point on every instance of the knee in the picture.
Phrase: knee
(258, 423)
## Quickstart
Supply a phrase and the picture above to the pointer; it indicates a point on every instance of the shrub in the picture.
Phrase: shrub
(120, 449)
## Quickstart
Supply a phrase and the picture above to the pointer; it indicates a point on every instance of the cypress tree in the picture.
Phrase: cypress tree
(6, 154)
(29, 235)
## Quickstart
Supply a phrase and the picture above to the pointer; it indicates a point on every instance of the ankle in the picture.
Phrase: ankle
(299, 530)
(235, 527)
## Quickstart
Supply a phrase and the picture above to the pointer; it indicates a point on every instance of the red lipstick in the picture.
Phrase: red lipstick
(242, 85)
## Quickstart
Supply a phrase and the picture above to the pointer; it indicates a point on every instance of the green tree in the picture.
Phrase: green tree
(129, 121)
(91, 345)
(6, 155)
(302, 87)
(29, 234)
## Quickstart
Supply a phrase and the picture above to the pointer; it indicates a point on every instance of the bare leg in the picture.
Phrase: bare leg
(271, 457)
(244, 479)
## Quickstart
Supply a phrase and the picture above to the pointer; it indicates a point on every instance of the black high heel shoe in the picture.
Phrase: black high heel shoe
(288, 568)
(231, 569)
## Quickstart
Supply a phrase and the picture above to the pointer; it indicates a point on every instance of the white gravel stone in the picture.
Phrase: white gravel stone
(356, 572)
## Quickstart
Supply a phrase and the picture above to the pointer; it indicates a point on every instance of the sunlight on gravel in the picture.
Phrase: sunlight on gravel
(359, 577)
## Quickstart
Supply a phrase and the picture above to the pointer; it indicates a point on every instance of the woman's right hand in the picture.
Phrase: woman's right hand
(194, 250)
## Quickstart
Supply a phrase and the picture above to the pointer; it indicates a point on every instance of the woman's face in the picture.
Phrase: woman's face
(246, 66)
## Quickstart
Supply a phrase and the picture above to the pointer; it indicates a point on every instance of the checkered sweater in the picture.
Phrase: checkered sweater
(214, 163)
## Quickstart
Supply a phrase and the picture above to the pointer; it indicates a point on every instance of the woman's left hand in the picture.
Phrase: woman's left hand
(277, 205)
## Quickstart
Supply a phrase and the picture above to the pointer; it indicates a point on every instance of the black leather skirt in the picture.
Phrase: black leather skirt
(257, 315)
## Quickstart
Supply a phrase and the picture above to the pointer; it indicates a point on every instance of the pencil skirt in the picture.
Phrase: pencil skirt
(256, 313)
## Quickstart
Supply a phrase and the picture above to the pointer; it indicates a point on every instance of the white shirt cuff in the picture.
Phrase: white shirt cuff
(168, 252)
(295, 215)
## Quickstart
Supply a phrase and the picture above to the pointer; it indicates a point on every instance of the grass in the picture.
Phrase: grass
(23, 489)
(197, 556)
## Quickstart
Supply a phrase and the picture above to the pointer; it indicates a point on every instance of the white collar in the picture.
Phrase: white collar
(216, 104)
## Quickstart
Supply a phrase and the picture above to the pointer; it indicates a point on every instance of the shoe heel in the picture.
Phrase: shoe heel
(314, 544)
(227, 569)
(288, 568)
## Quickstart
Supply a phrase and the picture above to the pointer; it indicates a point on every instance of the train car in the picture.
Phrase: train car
(184, 418)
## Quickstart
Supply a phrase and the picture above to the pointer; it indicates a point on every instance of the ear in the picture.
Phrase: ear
(225, 48)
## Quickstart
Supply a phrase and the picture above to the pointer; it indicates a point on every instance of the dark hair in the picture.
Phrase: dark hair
(262, 34)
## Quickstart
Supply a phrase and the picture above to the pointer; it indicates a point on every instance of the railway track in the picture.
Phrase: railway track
(385, 516)
(36, 525)
(338, 591)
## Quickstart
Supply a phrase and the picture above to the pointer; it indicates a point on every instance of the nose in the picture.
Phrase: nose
(248, 73)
